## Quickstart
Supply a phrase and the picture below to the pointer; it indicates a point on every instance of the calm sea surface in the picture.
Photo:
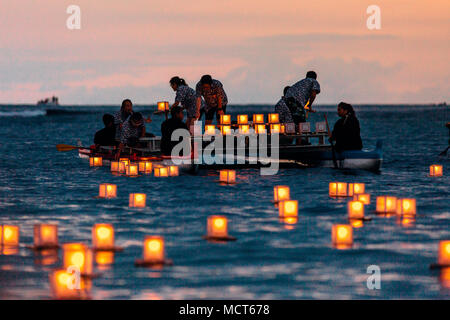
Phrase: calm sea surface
(270, 260)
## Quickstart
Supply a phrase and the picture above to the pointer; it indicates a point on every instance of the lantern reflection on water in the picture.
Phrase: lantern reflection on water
(107, 190)
(386, 204)
(137, 200)
(45, 236)
(288, 208)
(95, 161)
(242, 119)
(79, 256)
(337, 189)
(145, 166)
(227, 176)
(363, 197)
(355, 210)
(342, 236)
(9, 235)
(406, 207)
(436, 170)
(104, 258)
(281, 193)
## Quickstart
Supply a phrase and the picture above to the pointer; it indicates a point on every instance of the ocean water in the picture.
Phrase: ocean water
(269, 260)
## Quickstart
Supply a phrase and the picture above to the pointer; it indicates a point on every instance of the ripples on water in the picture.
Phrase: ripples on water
(270, 260)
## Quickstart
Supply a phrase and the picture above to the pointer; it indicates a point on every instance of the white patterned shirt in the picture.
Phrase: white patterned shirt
(301, 91)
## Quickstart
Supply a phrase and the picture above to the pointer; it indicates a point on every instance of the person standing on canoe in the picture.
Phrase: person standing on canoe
(107, 135)
(346, 131)
(168, 127)
(283, 110)
(188, 98)
(215, 97)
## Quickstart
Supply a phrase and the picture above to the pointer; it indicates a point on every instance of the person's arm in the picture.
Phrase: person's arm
(198, 107)
(312, 97)
(219, 101)
(175, 104)
(143, 130)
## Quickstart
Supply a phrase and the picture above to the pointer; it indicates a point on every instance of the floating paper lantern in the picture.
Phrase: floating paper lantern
(282, 128)
(274, 118)
(406, 221)
(289, 222)
(217, 227)
(226, 129)
(355, 210)
(342, 235)
(244, 129)
(444, 253)
(161, 172)
(79, 256)
(132, 170)
(436, 170)
(107, 190)
(406, 207)
(258, 118)
(363, 197)
(173, 171)
(145, 166)
(386, 204)
(227, 176)
(137, 200)
(104, 258)
(225, 119)
(356, 223)
(67, 286)
(45, 236)
(154, 249)
(337, 189)
(288, 208)
(281, 193)
(275, 128)
(242, 119)
(103, 236)
(9, 235)
(260, 128)
(355, 188)
(95, 161)
(125, 160)
(210, 129)
(163, 106)
(115, 166)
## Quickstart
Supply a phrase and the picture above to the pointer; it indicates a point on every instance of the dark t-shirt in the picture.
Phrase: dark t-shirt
(346, 133)
(105, 137)
(167, 128)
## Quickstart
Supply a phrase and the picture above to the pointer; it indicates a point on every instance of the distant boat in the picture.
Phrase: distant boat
(51, 102)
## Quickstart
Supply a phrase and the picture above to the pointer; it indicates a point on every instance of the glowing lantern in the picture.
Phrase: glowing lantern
(406, 221)
(386, 204)
(9, 235)
(444, 253)
(242, 119)
(115, 166)
(282, 128)
(444, 277)
(288, 208)
(163, 106)
(210, 129)
(45, 236)
(145, 166)
(227, 176)
(355, 210)
(321, 127)
(107, 190)
(137, 200)
(342, 236)
(79, 256)
(275, 128)
(122, 167)
(125, 160)
(154, 249)
(103, 236)
(217, 227)
(244, 129)
(289, 222)
(225, 129)
(132, 170)
(357, 223)
(337, 189)
(281, 193)
(406, 207)
(161, 172)
(260, 128)
(355, 188)
(258, 118)
(66, 285)
(104, 258)
(363, 197)
(173, 171)
(436, 170)
(225, 119)
(274, 118)
(95, 161)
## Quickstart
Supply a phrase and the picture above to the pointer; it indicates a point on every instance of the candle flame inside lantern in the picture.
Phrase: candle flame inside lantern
(355, 188)
(386, 204)
(79, 256)
(363, 197)
(406, 207)
(95, 161)
(260, 128)
(258, 118)
(161, 172)
(9, 235)
(137, 200)
(355, 210)
(275, 128)
(337, 189)
(281, 193)
(225, 119)
(45, 235)
(163, 106)
(444, 253)
(226, 129)
(288, 208)
(274, 118)
(67, 286)
(145, 166)
(210, 129)
(173, 171)
(103, 236)
(217, 226)
(436, 170)
(242, 119)
(154, 249)
(342, 236)
(107, 190)
(227, 176)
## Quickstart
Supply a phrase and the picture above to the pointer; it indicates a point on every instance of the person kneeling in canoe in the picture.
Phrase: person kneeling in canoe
(168, 127)
(346, 131)
(188, 98)
(132, 130)
(107, 135)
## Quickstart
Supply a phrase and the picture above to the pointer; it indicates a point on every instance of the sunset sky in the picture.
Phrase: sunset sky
(130, 49)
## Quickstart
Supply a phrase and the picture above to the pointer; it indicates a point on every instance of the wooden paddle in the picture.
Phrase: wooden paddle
(333, 151)
(66, 147)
